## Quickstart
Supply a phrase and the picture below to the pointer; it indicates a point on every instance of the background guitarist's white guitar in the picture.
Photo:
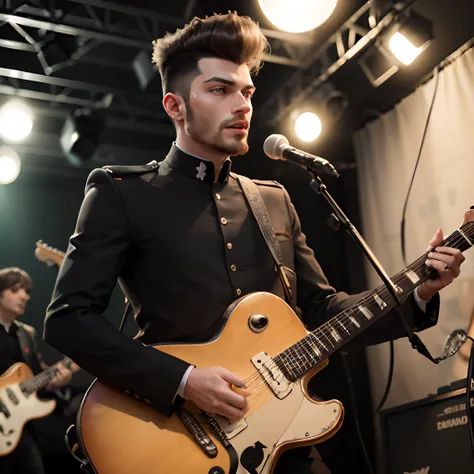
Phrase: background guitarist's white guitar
(19, 403)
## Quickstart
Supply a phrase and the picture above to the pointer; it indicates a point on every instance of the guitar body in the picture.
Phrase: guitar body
(121, 435)
(19, 408)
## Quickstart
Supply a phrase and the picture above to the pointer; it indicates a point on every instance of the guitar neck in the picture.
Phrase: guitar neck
(341, 329)
(41, 380)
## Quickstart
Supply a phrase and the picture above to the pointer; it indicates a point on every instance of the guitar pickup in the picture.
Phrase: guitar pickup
(4, 409)
(198, 433)
(272, 375)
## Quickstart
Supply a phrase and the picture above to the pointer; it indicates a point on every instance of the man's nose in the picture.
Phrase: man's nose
(25, 295)
(242, 107)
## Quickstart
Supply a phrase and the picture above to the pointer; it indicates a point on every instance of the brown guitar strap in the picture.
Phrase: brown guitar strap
(259, 210)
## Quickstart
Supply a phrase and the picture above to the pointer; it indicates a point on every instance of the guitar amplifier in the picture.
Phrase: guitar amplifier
(429, 436)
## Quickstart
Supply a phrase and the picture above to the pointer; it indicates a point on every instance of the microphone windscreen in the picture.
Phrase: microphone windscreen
(273, 146)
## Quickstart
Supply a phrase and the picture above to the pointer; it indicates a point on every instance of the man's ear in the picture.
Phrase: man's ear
(174, 106)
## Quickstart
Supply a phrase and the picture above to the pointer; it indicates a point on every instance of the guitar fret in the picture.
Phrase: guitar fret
(366, 312)
(314, 347)
(320, 343)
(335, 335)
(465, 238)
(380, 301)
(354, 322)
(413, 277)
(344, 327)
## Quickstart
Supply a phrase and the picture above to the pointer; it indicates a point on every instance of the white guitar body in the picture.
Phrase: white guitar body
(17, 408)
(295, 419)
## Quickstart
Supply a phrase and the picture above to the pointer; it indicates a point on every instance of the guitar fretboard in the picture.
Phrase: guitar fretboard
(338, 331)
(41, 380)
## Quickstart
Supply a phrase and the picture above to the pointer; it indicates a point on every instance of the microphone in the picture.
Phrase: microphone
(277, 147)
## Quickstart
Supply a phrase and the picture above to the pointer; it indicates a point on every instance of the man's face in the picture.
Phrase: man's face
(13, 301)
(219, 108)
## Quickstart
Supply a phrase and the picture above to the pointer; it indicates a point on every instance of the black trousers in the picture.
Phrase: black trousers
(25, 459)
(295, 461)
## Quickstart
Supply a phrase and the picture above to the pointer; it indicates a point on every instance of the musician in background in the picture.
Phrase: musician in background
(183, 239)
(19, 343)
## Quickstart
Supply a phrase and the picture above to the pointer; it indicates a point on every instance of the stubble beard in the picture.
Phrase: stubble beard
(217, 143)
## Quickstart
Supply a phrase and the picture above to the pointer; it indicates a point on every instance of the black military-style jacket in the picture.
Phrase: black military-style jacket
(186, 247)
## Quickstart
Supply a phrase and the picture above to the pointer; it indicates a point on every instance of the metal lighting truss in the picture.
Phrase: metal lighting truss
(96, 22)
(354, 36)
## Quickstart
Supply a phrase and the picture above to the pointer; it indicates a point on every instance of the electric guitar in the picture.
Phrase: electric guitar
(266, 344)
(19, 403)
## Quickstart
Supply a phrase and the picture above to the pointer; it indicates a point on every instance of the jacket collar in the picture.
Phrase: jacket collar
(196, 168)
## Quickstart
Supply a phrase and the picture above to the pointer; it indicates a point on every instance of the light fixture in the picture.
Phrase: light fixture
(412, 36)
(297, 16)
(80, 136)
(378, 65)
(10, 165)
(56, 51)
(308, 126)
(146, 73)
(16, 121)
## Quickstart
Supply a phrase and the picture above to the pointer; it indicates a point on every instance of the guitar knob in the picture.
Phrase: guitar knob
(258, 322)
(216, 470)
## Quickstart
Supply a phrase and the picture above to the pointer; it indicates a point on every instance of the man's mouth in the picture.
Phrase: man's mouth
(241, 125)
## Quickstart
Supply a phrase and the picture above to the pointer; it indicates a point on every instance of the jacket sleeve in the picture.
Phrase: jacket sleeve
(75, 324)
(319, 301)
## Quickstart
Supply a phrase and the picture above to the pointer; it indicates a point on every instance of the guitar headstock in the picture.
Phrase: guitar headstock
(469, 215)
(48, 255)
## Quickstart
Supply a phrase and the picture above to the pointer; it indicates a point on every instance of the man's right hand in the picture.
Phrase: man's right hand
(210, 389)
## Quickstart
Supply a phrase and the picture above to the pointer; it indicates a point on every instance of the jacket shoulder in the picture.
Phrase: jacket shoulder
(111, 173)
(120, 171)
(268, 183)
(260, 182)
(26, 327)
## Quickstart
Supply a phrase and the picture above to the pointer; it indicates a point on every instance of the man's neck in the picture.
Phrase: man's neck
(6, 318)
(217, 159)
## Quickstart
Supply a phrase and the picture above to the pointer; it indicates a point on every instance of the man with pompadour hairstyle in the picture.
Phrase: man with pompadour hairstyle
(181, 236)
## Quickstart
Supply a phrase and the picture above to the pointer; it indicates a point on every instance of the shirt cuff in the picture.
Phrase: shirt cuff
(421, 303)
(184, 380)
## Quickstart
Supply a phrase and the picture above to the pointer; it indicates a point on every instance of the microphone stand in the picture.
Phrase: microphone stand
(339, 219)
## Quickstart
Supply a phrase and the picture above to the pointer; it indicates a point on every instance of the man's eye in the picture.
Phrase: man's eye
(219, 90)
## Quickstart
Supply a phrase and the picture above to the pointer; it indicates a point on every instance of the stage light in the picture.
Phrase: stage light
(10, 165)
(56, 51)
(146, 73)
(308, 126)
(16, 121)
(378, 65)
(297, 16)
(412, 37)
(80, 136)
(403, 50)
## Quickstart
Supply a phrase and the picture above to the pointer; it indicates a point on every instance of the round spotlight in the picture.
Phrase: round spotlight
(10, 165)
(297, 16)
(16, 121)
(308, 126)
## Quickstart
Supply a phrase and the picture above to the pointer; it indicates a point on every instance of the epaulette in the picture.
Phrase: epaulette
(117, 171)
(272, 183)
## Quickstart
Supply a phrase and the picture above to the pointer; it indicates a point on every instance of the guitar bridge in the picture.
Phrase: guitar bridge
(272, 375)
